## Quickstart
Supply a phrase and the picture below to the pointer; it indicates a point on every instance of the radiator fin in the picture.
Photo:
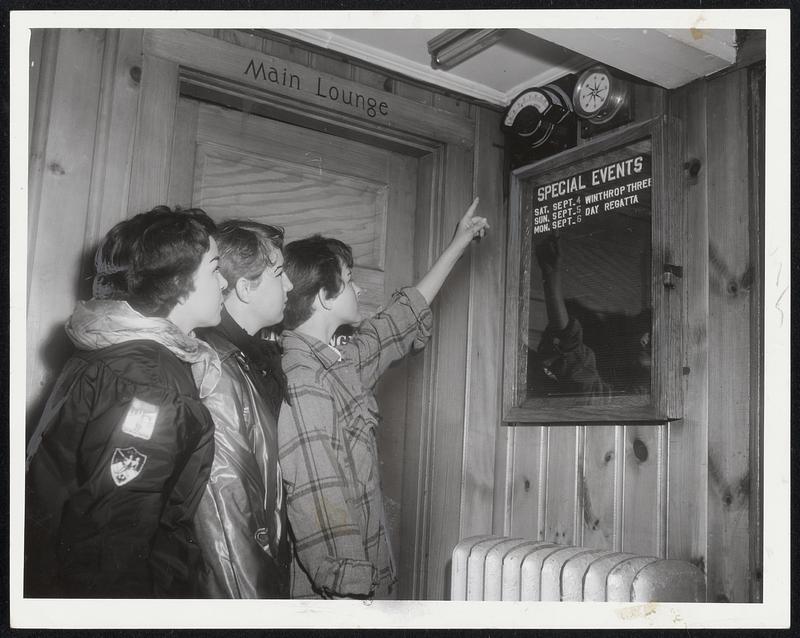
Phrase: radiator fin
(493, 567)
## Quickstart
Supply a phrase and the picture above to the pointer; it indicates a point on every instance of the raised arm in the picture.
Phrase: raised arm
(548, 254)
(468, 228)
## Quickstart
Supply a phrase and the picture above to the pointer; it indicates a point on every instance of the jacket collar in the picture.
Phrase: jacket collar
(99, 323)
(298, 345)
(226, 338)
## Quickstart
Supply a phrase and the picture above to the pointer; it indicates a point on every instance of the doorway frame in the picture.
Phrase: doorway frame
(179, 62)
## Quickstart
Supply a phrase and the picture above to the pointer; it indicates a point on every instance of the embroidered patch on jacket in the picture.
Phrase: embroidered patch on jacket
(140, 419)
(126, 464)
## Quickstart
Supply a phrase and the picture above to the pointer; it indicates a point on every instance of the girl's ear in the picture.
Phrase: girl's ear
(243, 289)
(183, 297)
(323, 303)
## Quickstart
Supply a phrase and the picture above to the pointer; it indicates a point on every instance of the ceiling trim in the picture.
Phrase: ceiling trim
(575, 64)
(415, 70)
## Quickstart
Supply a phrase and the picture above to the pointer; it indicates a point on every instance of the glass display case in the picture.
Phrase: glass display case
(593, 305)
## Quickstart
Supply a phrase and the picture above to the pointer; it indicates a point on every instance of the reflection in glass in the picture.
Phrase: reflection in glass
(590, 310)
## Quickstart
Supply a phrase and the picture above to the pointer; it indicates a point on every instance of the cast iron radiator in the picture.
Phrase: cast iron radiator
(504, 568)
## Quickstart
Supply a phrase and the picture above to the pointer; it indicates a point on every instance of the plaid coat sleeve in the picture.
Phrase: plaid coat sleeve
(390, 335)
(319, 498)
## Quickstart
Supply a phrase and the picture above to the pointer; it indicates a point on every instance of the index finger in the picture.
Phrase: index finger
(471, 210)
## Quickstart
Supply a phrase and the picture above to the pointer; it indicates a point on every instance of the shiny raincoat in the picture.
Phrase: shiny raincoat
(241, 520)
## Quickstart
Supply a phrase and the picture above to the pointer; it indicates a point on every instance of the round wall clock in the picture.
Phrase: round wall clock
(598, 95)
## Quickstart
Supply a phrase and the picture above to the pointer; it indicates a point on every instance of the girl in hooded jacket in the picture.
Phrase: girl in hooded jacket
(122, 452)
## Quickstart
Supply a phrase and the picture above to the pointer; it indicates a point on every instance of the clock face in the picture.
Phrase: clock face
(594, 92)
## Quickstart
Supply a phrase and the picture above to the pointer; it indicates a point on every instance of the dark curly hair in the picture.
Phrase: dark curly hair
(150, 259)
(313, 264)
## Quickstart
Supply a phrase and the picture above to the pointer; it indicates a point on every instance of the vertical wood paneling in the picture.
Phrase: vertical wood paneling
(641, 504)
(619, 486)
(485, 333)
(124, 99)
(392, 389)
(688, 438)
(648, 101)
(62, 166)
(156, 119)
(39, 115)
(757, 83)
(729, 338)
(94, 211)
(598, 487)
(501, 498)
(580, 455)
(525, 482)
(541, 492)
(669, 186)
(34, 67)
(116, 118)
(450, 310)
(560, 502)
(413, 527)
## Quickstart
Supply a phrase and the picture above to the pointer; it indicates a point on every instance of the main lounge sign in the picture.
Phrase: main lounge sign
(359, 102)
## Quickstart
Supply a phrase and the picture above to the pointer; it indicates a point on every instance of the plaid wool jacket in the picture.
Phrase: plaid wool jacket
(328, 451)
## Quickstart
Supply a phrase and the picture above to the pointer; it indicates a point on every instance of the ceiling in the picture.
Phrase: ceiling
(524, 58)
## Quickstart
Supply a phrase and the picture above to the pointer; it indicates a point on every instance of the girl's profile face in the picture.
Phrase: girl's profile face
(345, 304)
(268, 294)
(203, 305)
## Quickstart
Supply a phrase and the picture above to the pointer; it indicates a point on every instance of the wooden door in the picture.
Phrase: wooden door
(239, 165)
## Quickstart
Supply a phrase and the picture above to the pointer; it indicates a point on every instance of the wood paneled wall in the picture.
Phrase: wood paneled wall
(684, 489)
(83, 111)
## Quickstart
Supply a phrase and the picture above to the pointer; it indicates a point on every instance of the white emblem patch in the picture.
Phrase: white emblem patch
(126, 465)
(140, 419)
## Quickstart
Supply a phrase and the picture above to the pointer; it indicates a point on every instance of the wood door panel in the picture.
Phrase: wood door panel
(246, 166)
(301, 199)
(252, 134)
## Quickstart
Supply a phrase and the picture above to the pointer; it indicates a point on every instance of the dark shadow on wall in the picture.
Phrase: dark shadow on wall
(54, 351)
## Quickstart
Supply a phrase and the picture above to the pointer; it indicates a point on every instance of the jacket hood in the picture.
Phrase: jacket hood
(99, 323)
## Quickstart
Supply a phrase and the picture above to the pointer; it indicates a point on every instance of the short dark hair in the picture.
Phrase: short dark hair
(246, 248)
(313, 264)
(150, 259)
